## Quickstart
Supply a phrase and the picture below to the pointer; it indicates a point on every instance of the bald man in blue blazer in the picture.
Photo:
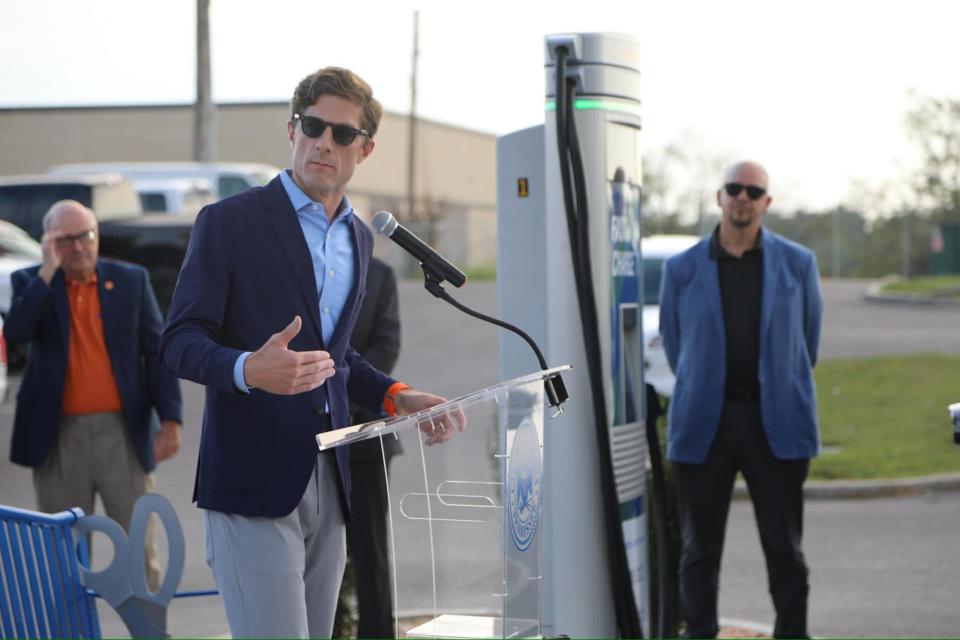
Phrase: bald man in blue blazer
(262, 315)
(740, 317)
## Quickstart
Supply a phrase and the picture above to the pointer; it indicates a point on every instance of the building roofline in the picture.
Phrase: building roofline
(219, 105)
(88, 179)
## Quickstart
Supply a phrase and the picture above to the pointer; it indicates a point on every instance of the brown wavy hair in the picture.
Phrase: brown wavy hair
(338, 81)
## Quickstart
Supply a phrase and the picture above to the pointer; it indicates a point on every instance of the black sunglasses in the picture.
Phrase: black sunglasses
(733, 190)
(343, 134)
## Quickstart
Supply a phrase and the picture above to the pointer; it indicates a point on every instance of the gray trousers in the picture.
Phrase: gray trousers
(94, 455)
(279, 577)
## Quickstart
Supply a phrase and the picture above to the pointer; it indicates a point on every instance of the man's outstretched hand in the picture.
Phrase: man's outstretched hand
(276, 369)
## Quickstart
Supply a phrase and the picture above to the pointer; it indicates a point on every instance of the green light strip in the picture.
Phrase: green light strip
(583, 104)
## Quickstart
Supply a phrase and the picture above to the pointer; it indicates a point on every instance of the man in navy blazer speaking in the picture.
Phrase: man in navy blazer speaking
(262, 315)
(740, 317)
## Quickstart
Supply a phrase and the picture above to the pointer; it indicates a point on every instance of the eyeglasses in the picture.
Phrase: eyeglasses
(733, 190)
(85, 238)
(343, 134)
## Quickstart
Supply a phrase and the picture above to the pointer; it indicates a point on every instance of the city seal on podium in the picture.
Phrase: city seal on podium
(525, 470)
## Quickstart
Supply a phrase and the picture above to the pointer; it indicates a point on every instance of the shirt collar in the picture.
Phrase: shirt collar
(717, 251)
(91, 279)
(300, 200)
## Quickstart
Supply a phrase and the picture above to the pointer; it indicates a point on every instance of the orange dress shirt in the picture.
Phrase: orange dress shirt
(90, 386)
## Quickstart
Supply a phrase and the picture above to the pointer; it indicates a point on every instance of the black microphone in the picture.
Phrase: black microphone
(432, 262)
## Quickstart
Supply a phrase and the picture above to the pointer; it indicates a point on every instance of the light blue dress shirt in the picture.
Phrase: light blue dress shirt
(331, 248)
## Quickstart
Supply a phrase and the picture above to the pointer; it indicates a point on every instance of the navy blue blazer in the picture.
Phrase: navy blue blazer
(40, 315)
(691, 323)
(246, 274)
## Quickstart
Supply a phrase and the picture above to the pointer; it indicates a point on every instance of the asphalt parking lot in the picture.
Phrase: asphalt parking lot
(878, 567)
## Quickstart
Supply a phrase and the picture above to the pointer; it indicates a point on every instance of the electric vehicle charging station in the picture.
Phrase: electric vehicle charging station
(595, 504)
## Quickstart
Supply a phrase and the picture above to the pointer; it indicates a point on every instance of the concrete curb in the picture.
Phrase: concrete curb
(756, 628)
(859, 489)
(875, 294)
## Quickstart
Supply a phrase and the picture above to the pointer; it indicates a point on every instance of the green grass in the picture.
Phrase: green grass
(474, 273)
(479, 272)
(887, 416)
(948, 286)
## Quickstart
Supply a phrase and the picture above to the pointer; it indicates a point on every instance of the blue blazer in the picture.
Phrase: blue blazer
(691, 323)
(246, 274)
(40, 316)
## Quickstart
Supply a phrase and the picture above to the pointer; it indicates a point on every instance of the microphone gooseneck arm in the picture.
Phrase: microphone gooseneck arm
(556, 390)
(436, 269)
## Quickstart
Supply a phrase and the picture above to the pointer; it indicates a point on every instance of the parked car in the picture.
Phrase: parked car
(954, 411)
(174, 195)
(17, 250)
(227, 178)
(156, 241)
(25, 198)
(655, 250)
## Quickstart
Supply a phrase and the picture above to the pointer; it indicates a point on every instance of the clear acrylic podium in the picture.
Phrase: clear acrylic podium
(465, 515)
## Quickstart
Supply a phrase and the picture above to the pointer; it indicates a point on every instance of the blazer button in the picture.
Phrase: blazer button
(319, 411)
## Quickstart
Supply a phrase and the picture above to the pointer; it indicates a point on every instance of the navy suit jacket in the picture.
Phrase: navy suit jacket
(246, 274)
(40, 315)
(691, 323)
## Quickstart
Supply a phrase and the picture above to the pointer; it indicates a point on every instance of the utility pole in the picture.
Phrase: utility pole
(835, 243)
(905, 244)
(204, 121)
(412, 128)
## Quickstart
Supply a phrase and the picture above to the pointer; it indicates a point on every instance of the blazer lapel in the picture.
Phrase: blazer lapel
(771, 277)
(709, 284)
(109, 305)
(59, 286)
(284, 221)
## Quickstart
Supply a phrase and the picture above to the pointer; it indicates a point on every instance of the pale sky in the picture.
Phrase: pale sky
(815, 90)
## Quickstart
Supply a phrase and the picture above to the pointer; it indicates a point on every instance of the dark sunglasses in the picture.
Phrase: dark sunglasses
(733, 190)
(84, 238)
(343, 134)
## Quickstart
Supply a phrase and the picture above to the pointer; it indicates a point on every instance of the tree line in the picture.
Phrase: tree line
(895, 231)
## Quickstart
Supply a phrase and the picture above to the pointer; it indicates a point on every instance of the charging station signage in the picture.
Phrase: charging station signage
(623, 206)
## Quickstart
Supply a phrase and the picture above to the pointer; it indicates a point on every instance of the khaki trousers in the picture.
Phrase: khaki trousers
(94, 455)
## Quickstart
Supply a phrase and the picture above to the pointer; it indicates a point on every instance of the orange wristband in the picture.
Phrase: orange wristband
(388, 400)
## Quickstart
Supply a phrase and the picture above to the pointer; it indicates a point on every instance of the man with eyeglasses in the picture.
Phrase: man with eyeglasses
(86, 416)
(263, 311)
(740, 317)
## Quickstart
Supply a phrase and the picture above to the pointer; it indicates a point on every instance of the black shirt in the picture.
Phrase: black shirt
(741, 290)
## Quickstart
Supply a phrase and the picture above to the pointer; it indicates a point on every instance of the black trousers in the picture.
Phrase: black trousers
(367, 540)
(703, 496)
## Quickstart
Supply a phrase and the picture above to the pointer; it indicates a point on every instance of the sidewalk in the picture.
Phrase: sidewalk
(859, 489)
